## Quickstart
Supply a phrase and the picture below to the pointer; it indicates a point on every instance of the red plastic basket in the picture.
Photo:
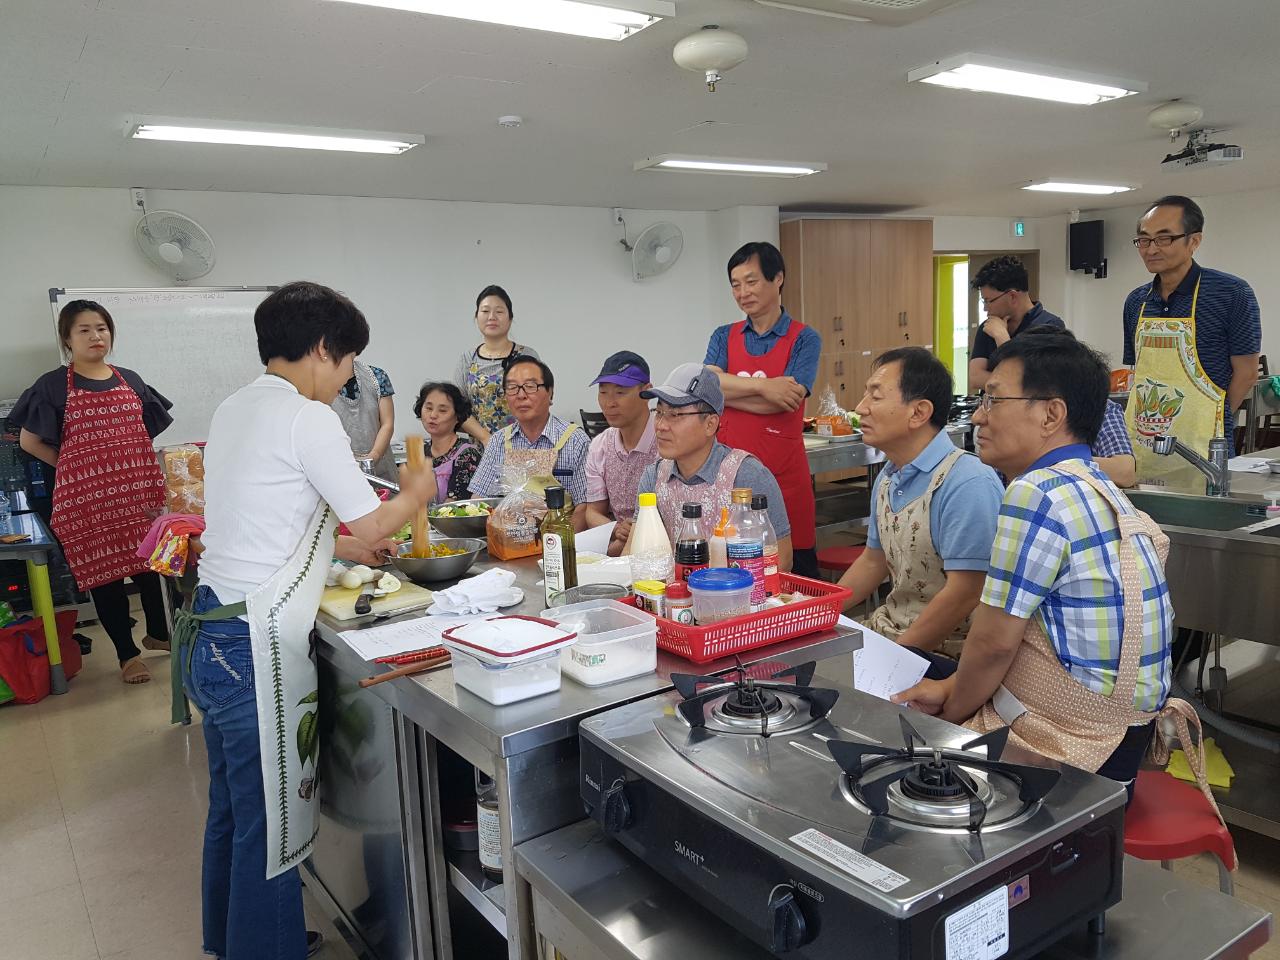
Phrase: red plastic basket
(701, 644)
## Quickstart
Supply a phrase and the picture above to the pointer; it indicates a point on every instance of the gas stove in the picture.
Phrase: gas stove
(824, 822)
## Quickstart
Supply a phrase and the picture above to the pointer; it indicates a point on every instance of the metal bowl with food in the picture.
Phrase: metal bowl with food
(451, 558)
(463, 518)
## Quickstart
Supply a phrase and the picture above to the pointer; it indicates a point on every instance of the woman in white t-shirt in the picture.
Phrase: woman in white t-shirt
(278, 476)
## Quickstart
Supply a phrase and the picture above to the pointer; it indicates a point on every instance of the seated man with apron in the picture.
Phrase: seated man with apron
(279, 475)
(1070, 646)
(934, 510)
(538, 445)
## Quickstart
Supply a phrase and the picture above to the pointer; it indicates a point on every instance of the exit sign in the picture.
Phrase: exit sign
(1018, 228)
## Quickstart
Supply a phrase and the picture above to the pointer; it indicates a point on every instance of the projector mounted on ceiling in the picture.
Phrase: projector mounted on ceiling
(1199, 151)
(888, 12)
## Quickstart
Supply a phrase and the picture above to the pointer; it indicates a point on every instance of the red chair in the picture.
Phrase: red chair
(1169, 819)
(838, 559)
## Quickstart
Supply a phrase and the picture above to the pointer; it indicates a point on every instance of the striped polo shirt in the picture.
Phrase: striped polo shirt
(1228, 322)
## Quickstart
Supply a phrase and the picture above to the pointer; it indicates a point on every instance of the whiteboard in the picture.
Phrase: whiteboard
(196, 345)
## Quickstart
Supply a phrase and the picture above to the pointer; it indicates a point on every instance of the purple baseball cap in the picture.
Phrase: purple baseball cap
(625, 369)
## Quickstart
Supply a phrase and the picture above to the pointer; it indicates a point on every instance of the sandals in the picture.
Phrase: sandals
(151, 643)
(134, 671)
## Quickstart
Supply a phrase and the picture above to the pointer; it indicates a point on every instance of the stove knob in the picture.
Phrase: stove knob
(617, 809)
(789, 928)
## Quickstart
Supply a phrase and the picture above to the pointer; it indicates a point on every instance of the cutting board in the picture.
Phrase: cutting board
(340, 602)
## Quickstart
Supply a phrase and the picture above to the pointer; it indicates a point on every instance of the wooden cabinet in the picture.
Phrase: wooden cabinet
(865, 286)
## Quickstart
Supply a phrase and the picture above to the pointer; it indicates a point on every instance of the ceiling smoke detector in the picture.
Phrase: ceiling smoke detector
(1176, 116)
(511, 121)
(710, 52)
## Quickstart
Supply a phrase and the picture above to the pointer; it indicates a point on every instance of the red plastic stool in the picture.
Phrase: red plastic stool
(838, 559)
(1169, 820)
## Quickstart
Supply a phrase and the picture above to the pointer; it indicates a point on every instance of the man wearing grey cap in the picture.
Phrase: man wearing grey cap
(697, 468)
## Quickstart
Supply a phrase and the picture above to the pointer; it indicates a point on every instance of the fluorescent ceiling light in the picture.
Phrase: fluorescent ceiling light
(1063, 186)
(730, 165)
(993, 75)
(306, 138)
(581, 18)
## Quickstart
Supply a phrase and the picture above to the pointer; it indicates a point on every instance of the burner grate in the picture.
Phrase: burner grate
(748, 699)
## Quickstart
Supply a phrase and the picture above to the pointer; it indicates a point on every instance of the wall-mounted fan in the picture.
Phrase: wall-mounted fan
(656, 249)
(176, 244)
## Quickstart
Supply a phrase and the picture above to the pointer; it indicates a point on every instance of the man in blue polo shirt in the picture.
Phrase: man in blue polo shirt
(934, 509)
(767, 363)
(1193, 337)
(1002, 284)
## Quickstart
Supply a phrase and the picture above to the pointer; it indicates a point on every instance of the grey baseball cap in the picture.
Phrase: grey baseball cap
(689, 383)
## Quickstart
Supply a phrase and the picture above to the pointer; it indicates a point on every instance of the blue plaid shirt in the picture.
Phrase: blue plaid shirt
(1056, 558)
(571, 463)
(1113, 437)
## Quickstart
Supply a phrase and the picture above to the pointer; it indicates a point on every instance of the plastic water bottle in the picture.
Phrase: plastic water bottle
(745, 546)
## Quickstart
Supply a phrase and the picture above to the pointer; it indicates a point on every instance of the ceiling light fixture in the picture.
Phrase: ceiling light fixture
(249, 135)
(582, 18)
(733, 166)
(1066, 186)
(984, 74)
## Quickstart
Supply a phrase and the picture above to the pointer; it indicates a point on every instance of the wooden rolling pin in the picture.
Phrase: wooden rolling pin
(413, 448)
(422, 666)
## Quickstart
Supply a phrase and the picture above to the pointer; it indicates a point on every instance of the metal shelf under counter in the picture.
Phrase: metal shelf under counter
(487, 896)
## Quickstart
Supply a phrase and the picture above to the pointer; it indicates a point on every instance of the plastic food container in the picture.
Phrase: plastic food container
(719, 594)
(615, 641)
(507, 659)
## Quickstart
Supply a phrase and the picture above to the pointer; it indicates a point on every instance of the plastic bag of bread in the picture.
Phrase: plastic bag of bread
(183, 479)
(513, 524)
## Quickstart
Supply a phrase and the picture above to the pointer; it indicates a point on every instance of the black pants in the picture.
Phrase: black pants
(804, 563)
(112, 603)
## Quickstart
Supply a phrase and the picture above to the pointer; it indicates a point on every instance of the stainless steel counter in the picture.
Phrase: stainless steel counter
(529, 748)
(593, 899)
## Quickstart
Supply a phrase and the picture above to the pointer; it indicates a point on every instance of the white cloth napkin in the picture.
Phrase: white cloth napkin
(485, 593)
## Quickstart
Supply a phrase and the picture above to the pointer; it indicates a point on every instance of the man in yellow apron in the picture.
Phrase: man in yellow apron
(1193, 337)
(1070, 646)
(538, 444)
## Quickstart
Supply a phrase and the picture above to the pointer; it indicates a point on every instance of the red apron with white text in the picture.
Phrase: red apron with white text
(108, 487)
(776, 439)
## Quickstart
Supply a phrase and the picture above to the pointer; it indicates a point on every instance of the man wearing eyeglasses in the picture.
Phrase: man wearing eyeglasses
(697, 468)
(538, 444)
(1192, 336)
(1071, 643)
(1002, 285)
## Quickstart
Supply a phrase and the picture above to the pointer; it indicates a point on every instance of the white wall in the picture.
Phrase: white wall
(1239, 237)
(413, 266)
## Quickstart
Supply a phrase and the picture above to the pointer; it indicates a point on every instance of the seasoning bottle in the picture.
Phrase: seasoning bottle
(772, 577)
(679, 602)
(650, 596)
(559, 554)
(488, 827)
(692, 551)
(717, 555)
(651, 554)
(745, 545)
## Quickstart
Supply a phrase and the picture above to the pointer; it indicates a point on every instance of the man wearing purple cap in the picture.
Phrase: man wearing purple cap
(620, 454)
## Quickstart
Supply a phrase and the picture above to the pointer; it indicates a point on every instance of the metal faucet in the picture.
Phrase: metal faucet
(366, 467)
(1217, 477)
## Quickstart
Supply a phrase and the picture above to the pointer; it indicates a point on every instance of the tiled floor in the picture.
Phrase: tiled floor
(102, 806)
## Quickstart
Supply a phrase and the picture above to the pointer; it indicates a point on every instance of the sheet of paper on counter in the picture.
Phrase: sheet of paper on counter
(1248, 465)
(595, 540)
(882, 667)
(391, 639)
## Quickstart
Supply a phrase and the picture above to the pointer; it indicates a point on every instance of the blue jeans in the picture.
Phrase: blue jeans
(246, 917)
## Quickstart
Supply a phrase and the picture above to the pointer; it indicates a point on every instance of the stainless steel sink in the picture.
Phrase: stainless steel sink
(1201, 513)
(1224, 562)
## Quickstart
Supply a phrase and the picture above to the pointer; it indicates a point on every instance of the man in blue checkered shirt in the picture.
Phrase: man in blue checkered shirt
(1046, 639)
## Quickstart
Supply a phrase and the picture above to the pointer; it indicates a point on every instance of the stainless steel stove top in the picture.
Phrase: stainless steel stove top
(759, 763)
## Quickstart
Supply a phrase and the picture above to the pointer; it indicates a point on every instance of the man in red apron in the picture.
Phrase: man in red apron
(767, 365)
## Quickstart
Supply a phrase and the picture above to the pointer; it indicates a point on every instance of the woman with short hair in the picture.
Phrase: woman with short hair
(443, 408)
(279, 475)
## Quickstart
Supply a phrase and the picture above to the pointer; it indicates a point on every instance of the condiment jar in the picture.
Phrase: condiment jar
(679, 603)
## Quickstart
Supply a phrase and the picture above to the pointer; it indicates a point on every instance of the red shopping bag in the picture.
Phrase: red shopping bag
(24, 660)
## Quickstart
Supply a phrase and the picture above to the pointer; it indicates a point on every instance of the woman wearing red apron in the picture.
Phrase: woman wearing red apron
(765, 393)
(443, 408)
(95, 423)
